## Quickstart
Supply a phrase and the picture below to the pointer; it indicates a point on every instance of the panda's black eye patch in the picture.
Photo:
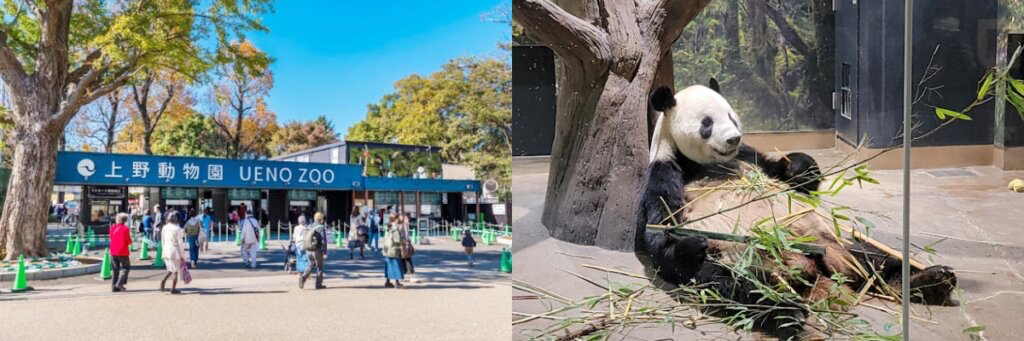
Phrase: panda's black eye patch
(705, 127)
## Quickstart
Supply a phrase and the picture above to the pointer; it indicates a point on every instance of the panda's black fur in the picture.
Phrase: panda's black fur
(674, 260)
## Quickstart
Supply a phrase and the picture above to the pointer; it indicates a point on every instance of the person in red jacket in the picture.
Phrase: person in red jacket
(120, 240)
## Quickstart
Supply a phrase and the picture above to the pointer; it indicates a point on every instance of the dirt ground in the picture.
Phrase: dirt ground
(971, 208)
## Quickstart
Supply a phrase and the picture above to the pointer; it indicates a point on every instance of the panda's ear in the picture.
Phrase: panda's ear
(663, 99)
(713, 84)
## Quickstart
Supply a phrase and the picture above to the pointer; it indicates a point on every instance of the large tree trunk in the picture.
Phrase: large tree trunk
(23, 221)
(609, 52)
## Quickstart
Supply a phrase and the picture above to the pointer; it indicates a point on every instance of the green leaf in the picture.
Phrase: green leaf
(984, 86)
(942, 113)
(1017, 84)
(867, 223)
(1017, 100)
(973, 329)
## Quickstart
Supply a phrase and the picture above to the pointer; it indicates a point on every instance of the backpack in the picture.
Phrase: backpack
(192, 227)
(312, 240)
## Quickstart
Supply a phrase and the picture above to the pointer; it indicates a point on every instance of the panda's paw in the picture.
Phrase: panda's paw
(934, 286)
(802, 172)
(691, 249)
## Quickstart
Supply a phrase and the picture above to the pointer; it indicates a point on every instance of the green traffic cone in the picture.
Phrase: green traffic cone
(145, 250)
(92, 237)
(77, 248)
(20, 282)
(238, 237)
(457, 234)
(506, 261)
(263, 239)
(105, 268)
(158, 261)
(506, 264)
(337, 239)
(69, 245)
(131, 246)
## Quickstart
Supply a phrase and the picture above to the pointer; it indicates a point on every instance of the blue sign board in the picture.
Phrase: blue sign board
(83, 168)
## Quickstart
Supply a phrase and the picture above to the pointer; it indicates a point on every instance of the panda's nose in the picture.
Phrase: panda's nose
(734, 141)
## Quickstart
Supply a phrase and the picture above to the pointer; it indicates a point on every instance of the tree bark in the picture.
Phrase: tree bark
(28, 197)
(607, 63)
(43, 104)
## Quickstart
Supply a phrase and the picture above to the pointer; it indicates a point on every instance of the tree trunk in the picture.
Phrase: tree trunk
(34, 164)
(147, 137)
(604, 74)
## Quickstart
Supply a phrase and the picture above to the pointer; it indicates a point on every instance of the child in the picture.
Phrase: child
(469, 244)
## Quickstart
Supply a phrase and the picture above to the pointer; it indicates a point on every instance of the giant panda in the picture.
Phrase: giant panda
(697, 144)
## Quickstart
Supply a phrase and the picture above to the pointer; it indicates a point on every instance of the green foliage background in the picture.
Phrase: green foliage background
(403, 162)
(465, 109)
(772, 85)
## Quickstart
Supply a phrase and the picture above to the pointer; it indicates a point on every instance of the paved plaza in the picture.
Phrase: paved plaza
(452, 301)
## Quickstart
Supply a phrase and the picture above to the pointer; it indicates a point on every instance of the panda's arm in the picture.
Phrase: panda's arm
(798, 170)
(676, 259)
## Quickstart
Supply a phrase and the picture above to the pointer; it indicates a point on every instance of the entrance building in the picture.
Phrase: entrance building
(276, 192)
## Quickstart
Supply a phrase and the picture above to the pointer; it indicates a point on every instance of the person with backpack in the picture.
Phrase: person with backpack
(468, 243)
(193, 226)
(392, 255)
(313, 246)
(250, 239)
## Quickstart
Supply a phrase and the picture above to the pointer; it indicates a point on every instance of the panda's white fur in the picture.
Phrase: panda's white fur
(683, 126)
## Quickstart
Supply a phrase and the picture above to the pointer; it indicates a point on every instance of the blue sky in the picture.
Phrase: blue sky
(335, 57)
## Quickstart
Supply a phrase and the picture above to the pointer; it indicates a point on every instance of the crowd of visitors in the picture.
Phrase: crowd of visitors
(381, 230)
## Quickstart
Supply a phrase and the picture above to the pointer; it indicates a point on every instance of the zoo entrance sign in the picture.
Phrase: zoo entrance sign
(82, 168)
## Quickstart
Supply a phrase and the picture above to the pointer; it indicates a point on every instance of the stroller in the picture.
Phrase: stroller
(290, 257)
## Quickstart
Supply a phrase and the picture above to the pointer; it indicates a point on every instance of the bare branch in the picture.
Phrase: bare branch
(76, 75)
(561, 31)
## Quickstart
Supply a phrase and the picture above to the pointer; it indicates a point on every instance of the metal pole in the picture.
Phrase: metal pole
(908, 26)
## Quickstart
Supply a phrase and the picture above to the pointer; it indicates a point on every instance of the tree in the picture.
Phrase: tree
(295, 136)
(149, 108)
(465, 108)
(193, 136)
(59, 55)
(609, 54)
(101, 123)
(239, 96)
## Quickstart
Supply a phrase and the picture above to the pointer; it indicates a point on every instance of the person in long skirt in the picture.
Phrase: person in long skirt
(173, 251)
(392, 256)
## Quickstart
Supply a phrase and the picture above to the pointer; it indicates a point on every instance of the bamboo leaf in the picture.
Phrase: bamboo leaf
(974, 329)
(984, 86)
(1017, 84)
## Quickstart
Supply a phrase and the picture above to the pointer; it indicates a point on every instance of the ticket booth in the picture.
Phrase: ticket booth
(180, 199)
(237, 197)
(103, 203)
(301, 202)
